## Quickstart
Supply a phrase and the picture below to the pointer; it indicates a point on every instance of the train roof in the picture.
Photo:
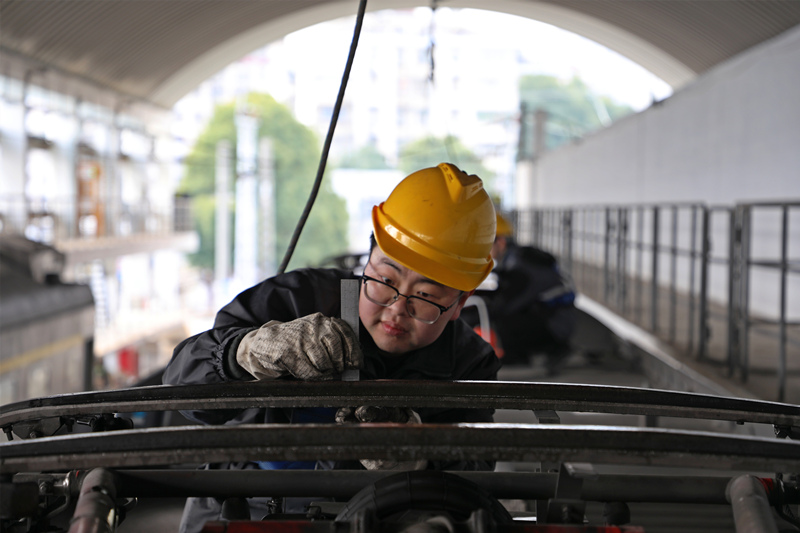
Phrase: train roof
(29, 292)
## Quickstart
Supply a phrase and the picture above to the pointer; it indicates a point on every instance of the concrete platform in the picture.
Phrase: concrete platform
(668, 367)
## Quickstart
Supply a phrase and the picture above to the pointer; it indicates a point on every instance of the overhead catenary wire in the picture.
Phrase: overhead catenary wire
(362, 7)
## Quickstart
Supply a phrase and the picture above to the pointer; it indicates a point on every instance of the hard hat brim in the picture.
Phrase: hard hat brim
(460, 273)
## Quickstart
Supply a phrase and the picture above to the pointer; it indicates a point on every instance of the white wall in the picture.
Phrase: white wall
(732, 135)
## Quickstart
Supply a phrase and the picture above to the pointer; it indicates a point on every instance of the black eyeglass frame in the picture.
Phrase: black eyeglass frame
(442, 309)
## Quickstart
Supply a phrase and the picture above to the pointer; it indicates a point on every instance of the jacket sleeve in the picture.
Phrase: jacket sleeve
(209, 357)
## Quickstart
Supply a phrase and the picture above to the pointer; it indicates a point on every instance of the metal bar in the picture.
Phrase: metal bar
(407, 393)
(581, 245)
(568, 236)
(447, 442)
(770, 204)
(771, 264)
(345, 484)
(95, 510)
(88, 364)
(705, 264)
(622, 235)
(734, 238)
(784, 288)
(546, 417)
(607, 255)
(744, 279)
(350, 290)
(654, 273)
(561, 231)
(751, 509)
(640, 262)
(544, 240)
(673, 274)
(622, 260)
(692, 268)
(483, 316)
(588, 249)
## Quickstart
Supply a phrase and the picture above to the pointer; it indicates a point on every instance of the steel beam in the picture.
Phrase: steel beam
(456, 442)
(406, 393)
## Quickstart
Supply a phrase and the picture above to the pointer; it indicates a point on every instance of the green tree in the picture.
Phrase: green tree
(295, 153)
(430, 151)
(573, 109)
(366, 158)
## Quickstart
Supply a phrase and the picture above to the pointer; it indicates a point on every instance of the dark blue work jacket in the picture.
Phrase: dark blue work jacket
(458, 354)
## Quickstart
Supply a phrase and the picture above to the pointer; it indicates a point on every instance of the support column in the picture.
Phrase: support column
(222, 224)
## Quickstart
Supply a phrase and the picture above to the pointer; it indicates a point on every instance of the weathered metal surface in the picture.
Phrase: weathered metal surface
(415, 394)
(751, 508)
(346, 483)
(501, 442)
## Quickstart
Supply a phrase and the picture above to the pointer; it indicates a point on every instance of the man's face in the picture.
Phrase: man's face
(392, 328)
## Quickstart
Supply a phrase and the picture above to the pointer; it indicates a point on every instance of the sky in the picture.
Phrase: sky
(547, 50)
(565, 54)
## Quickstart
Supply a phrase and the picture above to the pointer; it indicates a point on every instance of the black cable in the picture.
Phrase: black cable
(362, 7)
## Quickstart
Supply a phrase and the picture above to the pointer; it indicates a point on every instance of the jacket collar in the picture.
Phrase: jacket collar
(436, 361)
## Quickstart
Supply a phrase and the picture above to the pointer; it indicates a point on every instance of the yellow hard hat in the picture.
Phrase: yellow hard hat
(440, 223)
(504, 227)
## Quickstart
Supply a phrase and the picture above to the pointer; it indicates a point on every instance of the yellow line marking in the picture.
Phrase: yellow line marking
(48, 350)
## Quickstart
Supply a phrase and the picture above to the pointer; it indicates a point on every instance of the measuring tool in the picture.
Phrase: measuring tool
(349, 290)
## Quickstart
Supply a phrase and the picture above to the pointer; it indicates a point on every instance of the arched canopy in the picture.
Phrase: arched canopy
(158, 50)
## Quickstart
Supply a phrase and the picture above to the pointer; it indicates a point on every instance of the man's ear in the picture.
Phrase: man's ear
(460, 305)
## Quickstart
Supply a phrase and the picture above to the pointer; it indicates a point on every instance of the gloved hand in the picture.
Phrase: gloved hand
(314, 347)
(367, 413)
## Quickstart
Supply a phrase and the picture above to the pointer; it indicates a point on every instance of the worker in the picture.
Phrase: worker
(532, 308)
(430, 248)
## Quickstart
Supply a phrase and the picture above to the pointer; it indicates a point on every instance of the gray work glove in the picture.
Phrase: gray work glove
(314, 347)
(399, 415)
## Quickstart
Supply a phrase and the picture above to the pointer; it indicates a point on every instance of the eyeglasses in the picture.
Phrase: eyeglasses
(385, 295)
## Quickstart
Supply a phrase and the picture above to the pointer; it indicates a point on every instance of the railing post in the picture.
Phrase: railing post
(784, 287)
(692, 267)
(222, 222)
(654, 273)
(607, 255)
(585, 239)
(738, 289)
(744, 280)
(622, 259)
(639, 296)
(705, 261)
(566, 256)
(734, 238)
(673, 274)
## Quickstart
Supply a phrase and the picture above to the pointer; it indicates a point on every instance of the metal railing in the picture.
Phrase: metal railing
(717, 282)
(50, 220)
